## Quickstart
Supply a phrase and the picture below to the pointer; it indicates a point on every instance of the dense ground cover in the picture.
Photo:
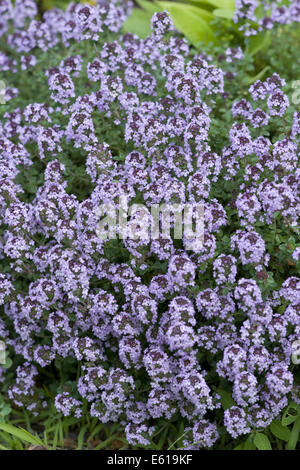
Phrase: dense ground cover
(146, 340)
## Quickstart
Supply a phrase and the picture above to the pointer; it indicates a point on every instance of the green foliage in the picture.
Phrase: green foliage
(5, 409)
(226, 399)
(291, 414)
(247, 444)
(44, 5)
(193, 18)
(280, 431)
(262, 442)
(258, 43)
(210, 22)
(294, 436)
(139, 23)
(20, 436)
(192, 21)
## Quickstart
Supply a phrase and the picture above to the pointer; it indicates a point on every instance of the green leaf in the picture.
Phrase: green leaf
(5, 411)
(181, 8)
(240, 446)
(226, 399)
(193, 22)
(258, 43)
(21, 434)
(226, 13)
(246, 445)
(292, 442)
(47, 4)
(81, 437)
(262, 441)
(104, 444)
(7, 363)
(257, 76)
(290, 415)
(139, 23)
(280, 431)
(226, 4)
(148, 6)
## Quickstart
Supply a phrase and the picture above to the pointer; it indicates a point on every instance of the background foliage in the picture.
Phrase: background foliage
(208, 25)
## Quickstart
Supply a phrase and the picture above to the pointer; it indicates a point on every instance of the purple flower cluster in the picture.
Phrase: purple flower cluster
(130, 325)
(254, 16)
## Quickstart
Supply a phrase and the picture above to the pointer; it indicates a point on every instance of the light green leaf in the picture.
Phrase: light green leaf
(230, 4)
(148, 6)
(138, 23)
(181, 8)
(7, 364)
(258, 76)
(280, 431)
(5, 411)
(262, 441)
(258, 43)
(226, 13)
(193, 22)
(21, 434)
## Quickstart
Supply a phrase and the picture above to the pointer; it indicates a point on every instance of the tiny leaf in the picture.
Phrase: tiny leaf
(280, 431)
(262, 441)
